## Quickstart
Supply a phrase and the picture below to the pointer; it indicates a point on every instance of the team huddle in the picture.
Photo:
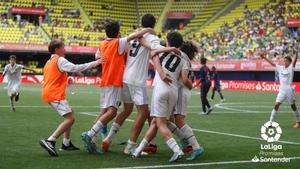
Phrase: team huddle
(125, 63)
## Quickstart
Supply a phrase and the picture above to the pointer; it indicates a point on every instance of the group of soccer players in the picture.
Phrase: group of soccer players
(125, 62)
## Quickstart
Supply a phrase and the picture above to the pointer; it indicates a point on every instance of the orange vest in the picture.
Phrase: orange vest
(113, 68)
(55, 81)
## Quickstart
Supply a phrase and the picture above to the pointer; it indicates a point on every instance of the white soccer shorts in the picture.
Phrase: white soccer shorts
(110, 97)
(134, 94)
(184, 96)
(163, 101)
(14, 88)
(286, 93)
(62, 107)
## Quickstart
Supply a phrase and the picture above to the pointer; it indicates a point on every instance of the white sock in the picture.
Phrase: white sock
(66, 141)
(174, 129)
(190, 137)
(95, 129)
(297, 115)
(131, 142)
(51, 138)
(173, 145)
(153, 141)
(273, 114)
(112, 132)
(141, 147)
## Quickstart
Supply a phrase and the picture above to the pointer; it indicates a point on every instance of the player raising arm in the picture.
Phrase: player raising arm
(165, 96)
(286, 91)
(114, 49)
(53, 92)
(13, 73)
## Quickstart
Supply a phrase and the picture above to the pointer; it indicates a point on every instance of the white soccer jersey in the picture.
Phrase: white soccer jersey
(285, 75)
(164, 97)
(137, 64)
(187, 65)
(172, 64)
(13, 74)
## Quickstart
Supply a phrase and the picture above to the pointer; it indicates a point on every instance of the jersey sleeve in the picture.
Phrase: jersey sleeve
(123, 45)
(154, 42)
(65, 66)
(277, 68)
(185, 65)
(5, 69)
(97, 54)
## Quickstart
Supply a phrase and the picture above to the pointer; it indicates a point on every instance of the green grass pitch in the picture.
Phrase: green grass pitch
(231, 134)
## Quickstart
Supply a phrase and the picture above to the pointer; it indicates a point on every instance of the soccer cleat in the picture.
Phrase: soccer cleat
(17, 97)
(13, 109)
(209, 111)
(195, 154)
(105, 146)
(176, 156)
(49, 146)
(70, 147)
(135, 155)
(222, 101)
(129, 149)
(151, 148)
(87, 142)
(297, 125)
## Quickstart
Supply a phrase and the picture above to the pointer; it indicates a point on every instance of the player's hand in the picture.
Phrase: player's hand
(101, 59)
(165, 77)
(176, 51)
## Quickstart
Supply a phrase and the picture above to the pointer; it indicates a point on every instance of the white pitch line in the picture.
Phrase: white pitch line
(213, 132)
(196, 164)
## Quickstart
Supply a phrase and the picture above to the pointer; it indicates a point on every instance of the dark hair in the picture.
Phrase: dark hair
(54, 44)
(213, 67)
(174, 39)
(288, 58)
(203, 60)
(13, 57)
(189, 48)
(112, 29)
(148, 21)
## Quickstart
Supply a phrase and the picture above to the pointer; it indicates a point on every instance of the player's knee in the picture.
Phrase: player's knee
(70, 118)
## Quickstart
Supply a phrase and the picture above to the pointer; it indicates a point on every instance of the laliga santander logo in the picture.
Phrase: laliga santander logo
(258, 86)
(271, 131)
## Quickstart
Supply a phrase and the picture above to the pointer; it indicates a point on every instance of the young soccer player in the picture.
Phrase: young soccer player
(286, 91)
(13, 73)
(165, 96)
(53, 92)
(205, 86)
(182, 129)
(134, 91)
(217, 85)
(114, 49)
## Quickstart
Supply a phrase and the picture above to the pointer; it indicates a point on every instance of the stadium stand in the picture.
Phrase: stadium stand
(202, 11)
(251, 27)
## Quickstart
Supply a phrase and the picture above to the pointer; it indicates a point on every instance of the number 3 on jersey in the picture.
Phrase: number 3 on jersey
(170, 61)
(135, 48)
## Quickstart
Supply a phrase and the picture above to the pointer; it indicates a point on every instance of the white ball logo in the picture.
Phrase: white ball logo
(271, 131)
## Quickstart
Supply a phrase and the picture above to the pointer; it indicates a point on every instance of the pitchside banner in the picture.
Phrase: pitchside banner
(257, 86)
